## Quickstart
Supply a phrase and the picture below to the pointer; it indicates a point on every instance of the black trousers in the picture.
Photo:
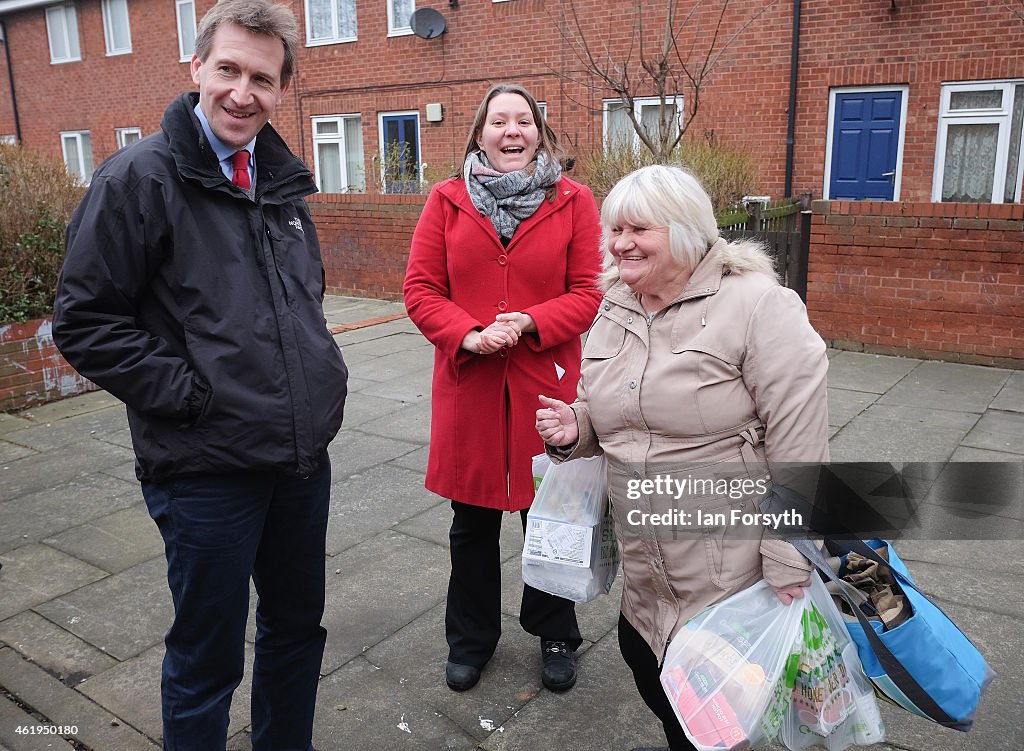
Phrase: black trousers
(473, 616)
(646, 674)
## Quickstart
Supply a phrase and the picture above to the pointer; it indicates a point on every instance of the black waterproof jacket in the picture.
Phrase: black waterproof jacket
(202, 309)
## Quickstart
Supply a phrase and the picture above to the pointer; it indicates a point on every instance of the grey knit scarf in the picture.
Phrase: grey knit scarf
(507, 198)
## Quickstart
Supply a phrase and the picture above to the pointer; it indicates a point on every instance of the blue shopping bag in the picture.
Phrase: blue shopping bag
(925, 664)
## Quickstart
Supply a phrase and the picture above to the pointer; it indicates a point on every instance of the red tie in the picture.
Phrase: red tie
(240, 161)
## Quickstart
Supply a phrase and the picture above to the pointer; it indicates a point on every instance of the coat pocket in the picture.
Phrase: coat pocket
(732, 549)
(604, 340)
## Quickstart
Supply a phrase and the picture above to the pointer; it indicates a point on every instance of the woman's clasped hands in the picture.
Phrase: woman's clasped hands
(502, 334)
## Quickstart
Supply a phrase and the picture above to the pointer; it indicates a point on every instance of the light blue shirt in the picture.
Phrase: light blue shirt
(224, 152)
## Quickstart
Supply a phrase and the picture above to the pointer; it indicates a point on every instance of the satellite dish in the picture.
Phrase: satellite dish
(427, 23)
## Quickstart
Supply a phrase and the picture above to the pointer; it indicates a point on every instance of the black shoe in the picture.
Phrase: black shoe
(559, 672)
(460, 677)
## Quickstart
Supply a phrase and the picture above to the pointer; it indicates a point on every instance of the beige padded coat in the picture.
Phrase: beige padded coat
(727, 377)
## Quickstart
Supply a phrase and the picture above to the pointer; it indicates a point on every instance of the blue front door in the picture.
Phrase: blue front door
(865, 144)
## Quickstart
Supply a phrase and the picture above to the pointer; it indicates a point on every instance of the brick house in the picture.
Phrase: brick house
(915, 106)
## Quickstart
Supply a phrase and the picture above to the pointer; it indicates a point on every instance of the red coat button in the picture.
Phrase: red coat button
(503, 260)
(502, 306)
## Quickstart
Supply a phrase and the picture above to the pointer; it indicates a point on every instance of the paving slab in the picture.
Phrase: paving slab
(97, 727)
(860, 371)
(930, 417)
(399, 341)
(360, 707)
(414, 387)
(345, 309)
(385, 582)
(58, 433)
(434, 523)
(844, 404)
(604, 711)
(58, 410)
(953, 386)
(54, 509)
(415, 657)
(879, 439)
(122, 471)
(34, 574)
(414, 460)
(113, 542)
(366, 333)
(369, 502)
(395, 365)
(131, 691)
(10, 423)
(11, 451)
(998, 431)
(412, 423)
(57, 651)
(44, 470)
(967, 454)
(13, 717)
(361, 407)
(353, 451)
(1010, 397)
(123, 615)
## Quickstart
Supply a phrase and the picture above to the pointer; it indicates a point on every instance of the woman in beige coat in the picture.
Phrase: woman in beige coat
(699, 370)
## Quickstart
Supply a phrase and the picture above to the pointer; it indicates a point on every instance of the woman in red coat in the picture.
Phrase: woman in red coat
(501, 280)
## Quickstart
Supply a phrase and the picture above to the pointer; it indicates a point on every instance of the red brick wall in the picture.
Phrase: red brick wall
(931, 280)
(32, 371)
(364, 241)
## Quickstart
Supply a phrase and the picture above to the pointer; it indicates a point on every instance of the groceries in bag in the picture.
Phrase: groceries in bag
(728, 673)
(570, 548)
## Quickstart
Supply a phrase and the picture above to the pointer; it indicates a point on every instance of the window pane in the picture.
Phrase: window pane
(970, 163)
(186, 29)
(346, 18)
(321, 24)
(71, 22)
(72, 158)
(329, 155)
(354, 154)
(620, 129)
(976, 100)
(326, 126)
(86, 155)
(400, 11)
(57, 33)
(1010, 194)
(115, 21)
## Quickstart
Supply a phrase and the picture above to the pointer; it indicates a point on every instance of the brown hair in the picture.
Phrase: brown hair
(260, 17)
(547, 140)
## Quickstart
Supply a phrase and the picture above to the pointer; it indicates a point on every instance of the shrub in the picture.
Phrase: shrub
(727, 173)
(37, 197)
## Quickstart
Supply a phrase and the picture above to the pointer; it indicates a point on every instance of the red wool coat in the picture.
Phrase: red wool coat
(482, 433)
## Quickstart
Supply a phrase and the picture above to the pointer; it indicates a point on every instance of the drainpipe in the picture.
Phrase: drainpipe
(10, 80)
(794, 58)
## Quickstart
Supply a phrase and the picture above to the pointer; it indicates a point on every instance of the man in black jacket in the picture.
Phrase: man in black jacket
(192, 290)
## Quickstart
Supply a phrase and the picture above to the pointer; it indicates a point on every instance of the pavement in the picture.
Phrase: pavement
(84, 601)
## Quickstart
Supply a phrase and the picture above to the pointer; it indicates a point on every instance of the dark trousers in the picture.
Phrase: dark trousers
(646, 674)
(220, 530)
(473, 615)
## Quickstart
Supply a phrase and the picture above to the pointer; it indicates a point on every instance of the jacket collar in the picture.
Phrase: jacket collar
(281, 175)
(705, 281)
(455, 191)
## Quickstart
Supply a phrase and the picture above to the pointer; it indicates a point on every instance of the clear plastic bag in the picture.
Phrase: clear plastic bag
(728, 672)
(833, 705)
(570, 548)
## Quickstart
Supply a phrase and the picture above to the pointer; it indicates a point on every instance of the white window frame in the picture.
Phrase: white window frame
(639, 104)
(338, 138)
(11, 140)
(81, 170)
(110, 7)
(62, 24)
(121, 134)
(185, 55)
(336, 38)
(399, 31)
(1001, 116)
(543, 107)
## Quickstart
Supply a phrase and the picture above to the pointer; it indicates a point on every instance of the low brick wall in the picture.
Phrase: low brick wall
(364, 240)
(32, 371)
(933, 280)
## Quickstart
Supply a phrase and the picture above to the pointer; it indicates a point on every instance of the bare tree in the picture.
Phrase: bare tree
(665, 51)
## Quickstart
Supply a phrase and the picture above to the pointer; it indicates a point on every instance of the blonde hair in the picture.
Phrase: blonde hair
(660, 196)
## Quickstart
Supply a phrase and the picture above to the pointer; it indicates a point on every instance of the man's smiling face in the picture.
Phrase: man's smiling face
(239, 83)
